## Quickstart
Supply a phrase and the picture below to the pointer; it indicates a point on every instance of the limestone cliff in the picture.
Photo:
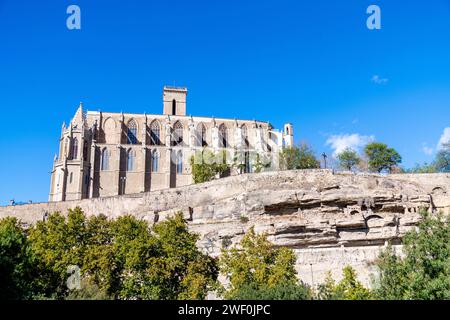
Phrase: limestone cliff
(330, 220)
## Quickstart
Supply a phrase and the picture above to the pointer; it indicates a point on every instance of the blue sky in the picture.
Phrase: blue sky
(313, 63)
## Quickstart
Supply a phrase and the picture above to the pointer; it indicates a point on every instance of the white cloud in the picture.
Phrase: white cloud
(341, 142)
(445, 138)
(379, 80)
(427, 150)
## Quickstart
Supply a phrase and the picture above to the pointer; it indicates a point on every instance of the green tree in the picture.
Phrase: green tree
(16, 262)
(260, 163)
(280, 291)
(259, 269)
(422, 168)
(170, 267)
(88, 291)
(424, 271)
(348, 159)
(349, 288)
(301, 157)
(381, 157)
(58, 244)
(122, 258)
(327, 289)
(442, 161)
(206, 165)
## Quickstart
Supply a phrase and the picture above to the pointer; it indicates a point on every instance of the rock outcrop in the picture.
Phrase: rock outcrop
(330, 220)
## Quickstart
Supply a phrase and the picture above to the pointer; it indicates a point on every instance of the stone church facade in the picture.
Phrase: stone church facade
(105, 154)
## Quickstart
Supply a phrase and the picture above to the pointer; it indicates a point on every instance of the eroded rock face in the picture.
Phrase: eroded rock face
(330, 220)
(329, 211)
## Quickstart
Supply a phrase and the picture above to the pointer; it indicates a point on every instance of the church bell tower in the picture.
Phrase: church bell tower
(174, 99)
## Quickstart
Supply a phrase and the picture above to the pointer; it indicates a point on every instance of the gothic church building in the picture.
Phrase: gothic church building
(105, 154)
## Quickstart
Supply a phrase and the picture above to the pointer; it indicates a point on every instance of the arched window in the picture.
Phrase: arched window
(109, 130)
(155, 133)
(244, 133)
(105, 160)
(223, 136)
(201, 135)
(177, 137)
(130, 160)
(179, 162)
(74, 151)
(132, 132)
(174, 107)
(155, 161)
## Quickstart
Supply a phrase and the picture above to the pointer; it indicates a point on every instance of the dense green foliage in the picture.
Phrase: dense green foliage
(301, 157)
(381, 157)
(121, 259)
(257, 269)
(206, 165)
(422, 168)
(348, 159)
(281, 291)
(127, 259)
(424, 271)
(349, 288)
(442, 161)
(16, 262)
(260, 164)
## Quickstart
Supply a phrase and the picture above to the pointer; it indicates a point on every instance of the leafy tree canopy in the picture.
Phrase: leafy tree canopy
(349, 288)
(381, 157)
(442, 161)
(257, 269)
(301, 157)
(16, 262)
(348, 159)
(123, 258)
(424, 271)
(206, 165)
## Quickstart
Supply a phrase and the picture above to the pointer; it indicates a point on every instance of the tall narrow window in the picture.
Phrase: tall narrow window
(174, 107)
(85, 151)
(244, 133)
(248, 166)
(132, 132)
(155, 133)
(201, 135)
(66, 148)
(105, 160)
(223, 136)
(74, 152)
(130, 160)
(177, 138)
(155, 161)
(179, 162)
